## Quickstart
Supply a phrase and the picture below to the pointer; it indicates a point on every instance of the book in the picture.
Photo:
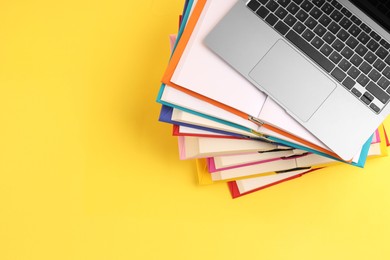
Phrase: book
(179, 130)
(247, 186)
(191, 120)
(224, 162)
(214, 126)
(191, 147)
(167, 116)
(205, 178)
(219, 83)
(305, 161)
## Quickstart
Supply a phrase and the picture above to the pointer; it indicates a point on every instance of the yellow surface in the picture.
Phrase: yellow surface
(87, 172)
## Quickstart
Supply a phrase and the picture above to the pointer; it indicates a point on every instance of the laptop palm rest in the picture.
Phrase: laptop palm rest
(292, 81)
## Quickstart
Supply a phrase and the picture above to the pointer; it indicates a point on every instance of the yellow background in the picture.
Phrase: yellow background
(87, 172)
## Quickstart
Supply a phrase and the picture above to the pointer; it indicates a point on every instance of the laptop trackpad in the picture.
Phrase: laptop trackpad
(292, 80)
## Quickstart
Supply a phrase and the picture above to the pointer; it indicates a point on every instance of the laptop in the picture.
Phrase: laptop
(326, 62)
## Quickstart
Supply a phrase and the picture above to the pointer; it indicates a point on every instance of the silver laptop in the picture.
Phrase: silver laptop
(327, 63)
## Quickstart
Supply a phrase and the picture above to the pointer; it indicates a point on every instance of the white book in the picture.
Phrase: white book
(227, 161)
(308, 161)
(191, 147)
(185, 130)
(188, 118)
(251, 184)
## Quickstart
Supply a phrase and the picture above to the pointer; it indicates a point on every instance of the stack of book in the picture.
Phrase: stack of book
(217, 116)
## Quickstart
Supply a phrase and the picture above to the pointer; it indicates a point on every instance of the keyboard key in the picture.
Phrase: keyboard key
(327, 8)
(370, 57)
(356, 60)
(356, 20)
(301, 43)
(307, 5)
(386, 72)
(281, 13)
(374, 75)
(365, 67)
(311, 23)
(349, 83)
(329, 38)
(383, 83)
(326, 50)
(290, 20)
(346, 12)
(377, 92)
(363, 80)
(379, 65)
(272, 6)
(375, 36)
(262, 12)
(373, 45)
(271, 19)
(352, 42)
(338, 74)
(320, 30)
(382, 52)
(293, 8)
(336, 4)
(335, 57)
(345, 23)
(374, 107)
(365, 28)
(356, 92)
(282, 28)
(315, 12)
(365, 100)
(363, 37)
(308, 35)
(347, 52)
(253, 4)
(343, 35)
(338, 45)
(353, 72)
(317, 42)
(298, 2)
(354, 30)
(324, 20)
(284, 3)
(336, 15)
(368, 96)
(301, 15)
(361, 50)
(334, 27)
(385, 44)
(387, 60)
(299, 27)
(318, 3)
(345, 65)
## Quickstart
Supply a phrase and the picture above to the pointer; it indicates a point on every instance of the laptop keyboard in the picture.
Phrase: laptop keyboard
(338, 41)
